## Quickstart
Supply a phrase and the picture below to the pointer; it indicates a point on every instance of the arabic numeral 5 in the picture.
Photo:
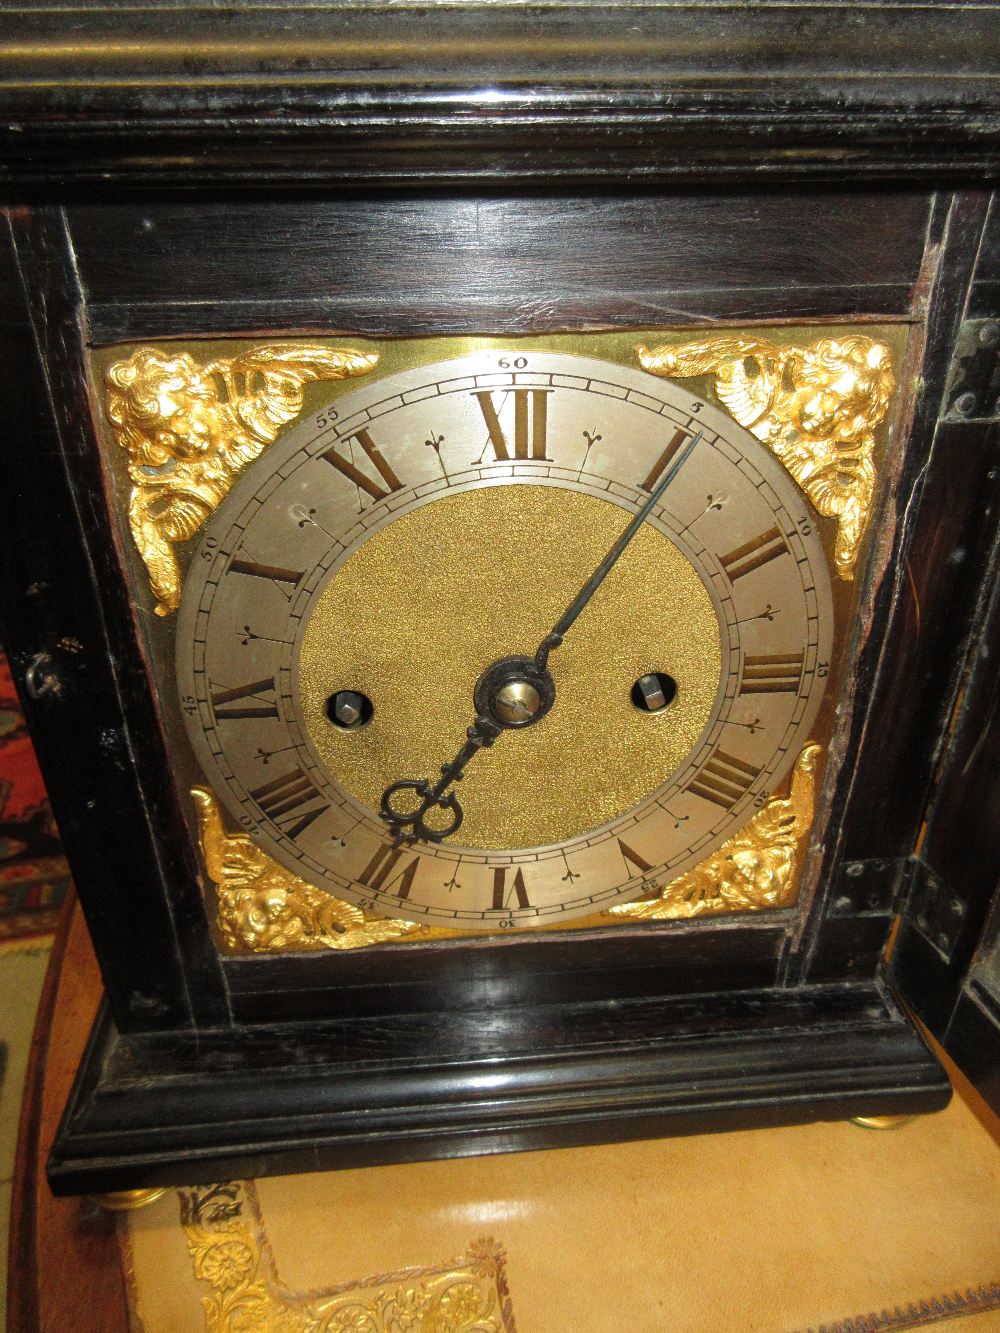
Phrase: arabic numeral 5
(248, 823)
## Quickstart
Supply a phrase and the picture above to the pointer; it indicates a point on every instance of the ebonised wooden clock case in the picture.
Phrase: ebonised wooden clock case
(512, 170)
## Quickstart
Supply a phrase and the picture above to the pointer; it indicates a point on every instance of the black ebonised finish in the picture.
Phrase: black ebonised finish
(506, 169)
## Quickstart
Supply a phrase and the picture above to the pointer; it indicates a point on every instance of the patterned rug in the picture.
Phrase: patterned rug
(34, 877)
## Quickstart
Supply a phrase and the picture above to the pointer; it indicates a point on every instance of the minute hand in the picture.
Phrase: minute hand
(556, 634)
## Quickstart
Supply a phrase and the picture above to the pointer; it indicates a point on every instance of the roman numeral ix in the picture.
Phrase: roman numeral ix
(258, 699)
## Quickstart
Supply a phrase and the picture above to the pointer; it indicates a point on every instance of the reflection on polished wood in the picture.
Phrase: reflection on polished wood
(127, 1201)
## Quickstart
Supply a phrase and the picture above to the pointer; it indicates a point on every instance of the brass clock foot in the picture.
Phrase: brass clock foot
(128, 1201)
(882, 1121)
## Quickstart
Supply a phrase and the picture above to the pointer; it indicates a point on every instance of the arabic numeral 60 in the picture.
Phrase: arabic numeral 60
(513, 363)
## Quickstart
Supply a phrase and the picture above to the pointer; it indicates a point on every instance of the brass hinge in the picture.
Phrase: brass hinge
(933, 909)
(973, 392)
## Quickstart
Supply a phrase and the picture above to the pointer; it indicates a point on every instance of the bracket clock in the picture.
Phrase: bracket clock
(499, 553)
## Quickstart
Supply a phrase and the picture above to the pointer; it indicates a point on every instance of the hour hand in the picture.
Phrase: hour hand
(410, 822)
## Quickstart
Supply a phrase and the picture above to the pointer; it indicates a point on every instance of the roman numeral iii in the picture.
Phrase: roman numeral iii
(774, 674)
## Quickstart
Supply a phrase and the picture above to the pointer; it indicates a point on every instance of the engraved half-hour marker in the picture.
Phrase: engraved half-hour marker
(382, 870)
(258, 571)
(752, 554)
(724, 779)
(501, 894)
(530, 423)
(256, 699)
(290, 797)
(665, 459)
(772, 674)
(361, 479)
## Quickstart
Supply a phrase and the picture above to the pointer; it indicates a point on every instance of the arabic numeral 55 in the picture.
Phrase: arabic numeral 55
(326, 418)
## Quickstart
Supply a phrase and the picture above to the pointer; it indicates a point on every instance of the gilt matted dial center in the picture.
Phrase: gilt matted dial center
(433, 599)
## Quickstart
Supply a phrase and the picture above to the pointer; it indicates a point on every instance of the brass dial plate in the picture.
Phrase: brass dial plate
(550, 447)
